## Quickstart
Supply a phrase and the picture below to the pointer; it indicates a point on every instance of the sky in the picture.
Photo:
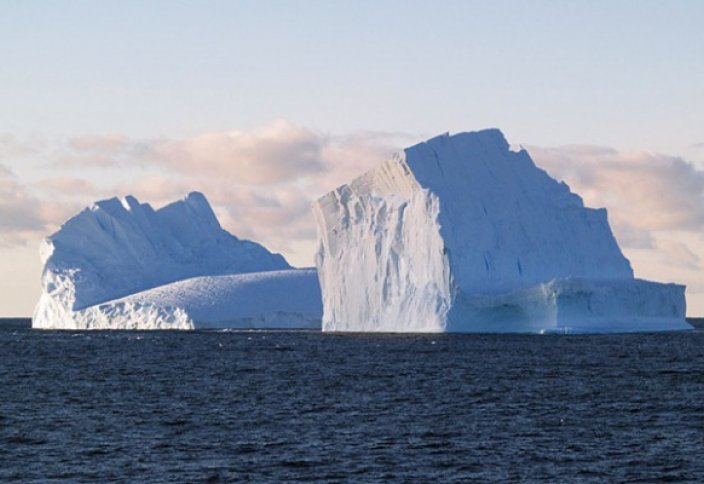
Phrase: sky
(264, 105)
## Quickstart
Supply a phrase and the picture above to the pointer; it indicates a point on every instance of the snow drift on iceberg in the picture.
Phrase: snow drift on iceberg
(460, 233)
(120, 264)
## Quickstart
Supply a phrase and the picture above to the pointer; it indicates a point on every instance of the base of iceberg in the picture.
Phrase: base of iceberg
(561, 306)
(285, 299)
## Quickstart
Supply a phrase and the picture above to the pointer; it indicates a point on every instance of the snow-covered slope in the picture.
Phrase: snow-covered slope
(274, 299)
(460, 233)
(120, 247)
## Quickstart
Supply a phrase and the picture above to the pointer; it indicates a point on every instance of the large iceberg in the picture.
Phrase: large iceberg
(461, 233)
(120, 264)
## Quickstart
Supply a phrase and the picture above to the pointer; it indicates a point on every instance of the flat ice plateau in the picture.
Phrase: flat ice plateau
(120, 264)
(462, 234)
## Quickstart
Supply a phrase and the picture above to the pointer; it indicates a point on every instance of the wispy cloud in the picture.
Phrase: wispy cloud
(680, 254)
(655, 204)
(273, 154)
(21, 216)
(67, 185)
(280, 152)
(99, 151)
(263, 181)
(644, 192)
(13, 147)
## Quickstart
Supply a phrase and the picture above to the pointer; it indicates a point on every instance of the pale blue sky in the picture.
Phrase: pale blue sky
(628, 74)
(200, 85)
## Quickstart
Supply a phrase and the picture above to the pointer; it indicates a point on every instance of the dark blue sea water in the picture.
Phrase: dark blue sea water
(272, 406)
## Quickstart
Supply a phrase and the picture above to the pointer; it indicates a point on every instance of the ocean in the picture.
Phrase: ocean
(212, 406)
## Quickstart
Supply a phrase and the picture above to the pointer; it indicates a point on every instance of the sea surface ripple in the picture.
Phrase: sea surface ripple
(272, 406)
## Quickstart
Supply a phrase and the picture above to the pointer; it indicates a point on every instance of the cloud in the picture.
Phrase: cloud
(278, 218)
(679, 254)
(280, 152)
(99, 144)
(68, 186)
(643, 192)
(16, 147)
(698, 146)
(100, 151)
(349, 156)
(655, 204)
(272, 154)
(261, 182)
(157, 189)
(20, 214)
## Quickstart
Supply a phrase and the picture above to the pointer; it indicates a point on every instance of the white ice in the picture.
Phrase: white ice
(122, 265)
(461, 233)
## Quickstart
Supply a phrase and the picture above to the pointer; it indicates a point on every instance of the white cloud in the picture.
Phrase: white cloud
(99, 144)
(68, 186)
(13, 147)
(677, 253)
(644, 192)
(655, 204)
(20, 214)
(261, 182)
(272, 154)
(100, 151)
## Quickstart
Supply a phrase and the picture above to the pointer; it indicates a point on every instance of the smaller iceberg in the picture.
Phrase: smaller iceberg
(120, 264)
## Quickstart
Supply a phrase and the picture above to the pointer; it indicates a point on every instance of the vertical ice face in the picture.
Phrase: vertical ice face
(364, 270)
(404, 246)
(119, 247)
(505, 222)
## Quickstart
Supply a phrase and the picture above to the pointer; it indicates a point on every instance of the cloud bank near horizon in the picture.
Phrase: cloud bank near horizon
(262, 182)
(21, 215)
(645, 193)
(655, 204)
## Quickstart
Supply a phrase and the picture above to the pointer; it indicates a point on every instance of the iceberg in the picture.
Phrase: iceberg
(120, 264)
(462, 233)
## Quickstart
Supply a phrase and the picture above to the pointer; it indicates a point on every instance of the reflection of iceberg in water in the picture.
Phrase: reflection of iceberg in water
(460, 233)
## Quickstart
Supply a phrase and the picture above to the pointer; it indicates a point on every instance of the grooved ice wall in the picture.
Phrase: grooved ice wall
(440, 237)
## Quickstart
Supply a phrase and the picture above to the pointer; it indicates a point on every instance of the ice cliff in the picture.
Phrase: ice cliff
(121, 264)
(461, 233)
